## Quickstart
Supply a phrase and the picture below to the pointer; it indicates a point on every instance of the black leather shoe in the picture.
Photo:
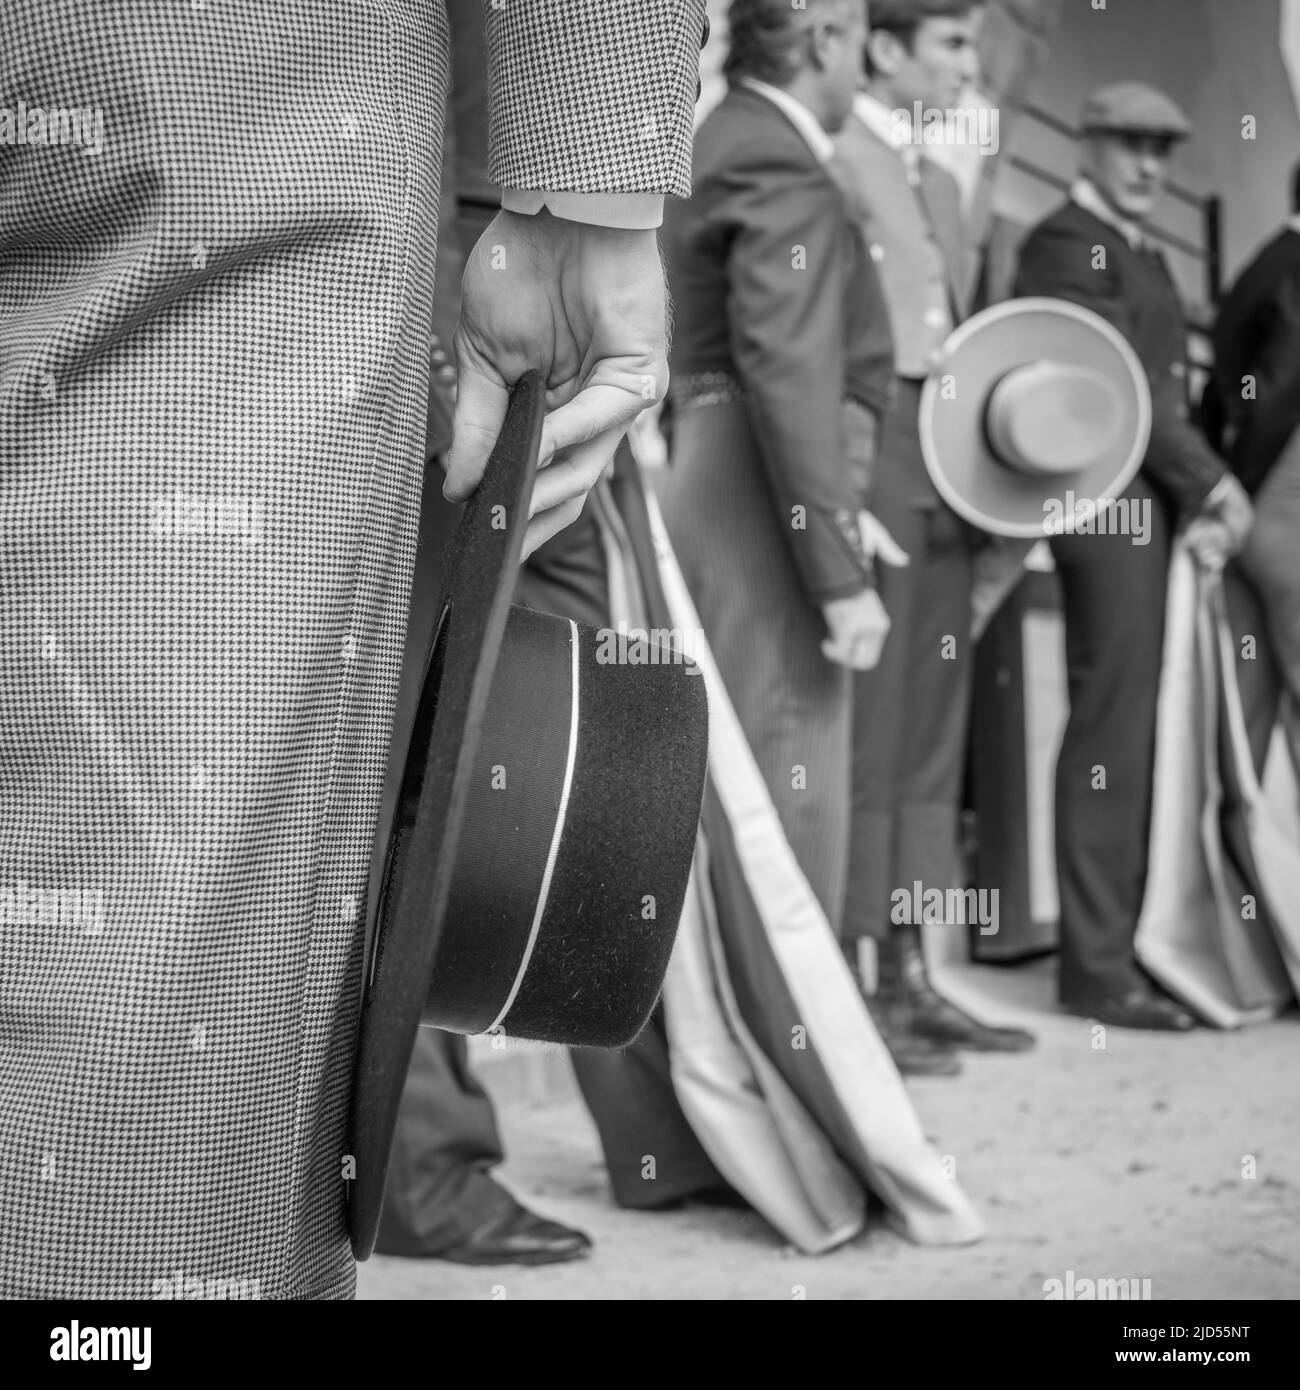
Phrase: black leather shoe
(932, 1016)
(917, 1056)
(516, 1236)
(1139, 1008)
(913, 1055)
(921, 1009)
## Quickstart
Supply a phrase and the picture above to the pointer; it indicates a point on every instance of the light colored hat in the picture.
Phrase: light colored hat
(1037, 412)
(1136, 107)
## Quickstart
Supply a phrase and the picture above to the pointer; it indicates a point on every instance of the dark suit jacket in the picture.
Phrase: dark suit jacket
(1258, 335)
(772, 285)
(1132, 290)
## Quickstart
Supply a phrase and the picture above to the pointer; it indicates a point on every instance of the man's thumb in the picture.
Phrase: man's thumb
(879, 544)
(480, 410)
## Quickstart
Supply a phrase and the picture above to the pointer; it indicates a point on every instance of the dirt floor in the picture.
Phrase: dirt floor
(1122, 1162)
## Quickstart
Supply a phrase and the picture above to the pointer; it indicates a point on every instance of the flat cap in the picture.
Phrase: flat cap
(1133, 106)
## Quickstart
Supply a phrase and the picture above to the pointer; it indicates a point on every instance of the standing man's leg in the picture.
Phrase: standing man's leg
(909, 733)
(941, 662)
(792, 703)
(629, 1092)
(1114, 595)
(438, 1192)
(882, 707)
(210, 433)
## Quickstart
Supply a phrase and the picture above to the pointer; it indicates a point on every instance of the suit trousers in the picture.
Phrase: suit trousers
(446, 1139)
(212, 390)
(1114, 597)
(766, 636)
(911, 712)
(628, 1092)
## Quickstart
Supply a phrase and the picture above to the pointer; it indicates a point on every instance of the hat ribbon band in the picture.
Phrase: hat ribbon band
(556, 836)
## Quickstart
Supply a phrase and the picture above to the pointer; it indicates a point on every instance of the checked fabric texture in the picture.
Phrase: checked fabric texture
(576, 110)
(214, 337)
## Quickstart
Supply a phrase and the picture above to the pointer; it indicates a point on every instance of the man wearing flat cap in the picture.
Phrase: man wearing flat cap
(1095, 251)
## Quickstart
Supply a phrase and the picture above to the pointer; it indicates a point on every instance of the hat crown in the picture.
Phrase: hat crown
(1136, 107)
(1052, 418)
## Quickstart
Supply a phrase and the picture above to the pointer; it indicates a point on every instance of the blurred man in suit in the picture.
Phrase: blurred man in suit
(774, 334)
(1095, 251)
(1256, 362)
(911, 713)
(1257, 383)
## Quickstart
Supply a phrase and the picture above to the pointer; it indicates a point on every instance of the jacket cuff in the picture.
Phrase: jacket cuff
(629, 211)
(830, 558)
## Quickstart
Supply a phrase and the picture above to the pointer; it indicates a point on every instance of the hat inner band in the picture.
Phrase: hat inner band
(539, 911)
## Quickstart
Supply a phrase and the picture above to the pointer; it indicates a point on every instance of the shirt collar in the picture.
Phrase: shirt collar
(887, 126)
(803, 120)
(1084, 192)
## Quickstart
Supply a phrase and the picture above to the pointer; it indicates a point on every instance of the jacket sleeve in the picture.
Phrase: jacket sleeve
(788, 270)
(1237, 334)
(1266, 345)
(586, 96)
(1058, 262)
(870, 368)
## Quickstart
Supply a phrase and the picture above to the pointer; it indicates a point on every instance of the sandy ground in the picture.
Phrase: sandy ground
(1125, 1162)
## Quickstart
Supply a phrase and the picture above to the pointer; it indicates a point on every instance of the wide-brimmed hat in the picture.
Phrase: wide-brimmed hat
(1036, 414)
(544, 828)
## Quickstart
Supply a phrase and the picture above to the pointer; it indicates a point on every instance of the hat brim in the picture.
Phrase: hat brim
(958, 456)
(481, 573)
(1157, 133)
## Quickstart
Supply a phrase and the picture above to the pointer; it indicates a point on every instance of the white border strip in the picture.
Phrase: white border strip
(557, 835)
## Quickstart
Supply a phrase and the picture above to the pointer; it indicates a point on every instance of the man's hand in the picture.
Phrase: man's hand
(1210, 542)
(1229, 506)
(585, 305)
(858, 627)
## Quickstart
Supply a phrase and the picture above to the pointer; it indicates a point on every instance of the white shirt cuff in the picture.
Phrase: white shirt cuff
(630, 211)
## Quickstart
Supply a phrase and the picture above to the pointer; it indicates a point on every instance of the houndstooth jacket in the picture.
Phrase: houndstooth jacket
(217, 226)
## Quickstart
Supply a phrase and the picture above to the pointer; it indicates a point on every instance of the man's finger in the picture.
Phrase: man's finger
(575, 474)
(846, 652)
(599, 408)
(551, 523)
(480, 412)
(877, 541)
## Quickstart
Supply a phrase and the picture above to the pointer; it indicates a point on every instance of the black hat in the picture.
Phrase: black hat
(545, 825)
